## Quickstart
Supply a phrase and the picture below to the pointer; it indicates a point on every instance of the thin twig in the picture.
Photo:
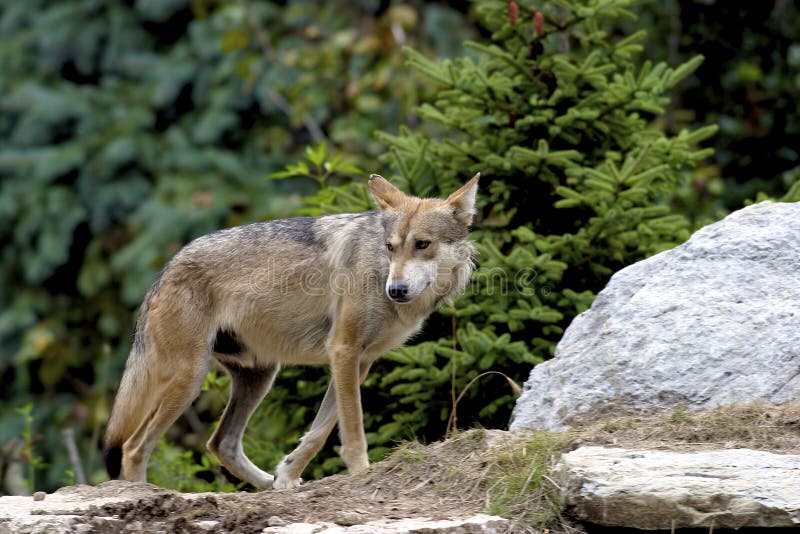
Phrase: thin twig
(418, 486)
(524, 487)
(13, 466)
(451, 423)
(102, 386)
(194, 421)
(74, 457)
(553, 482)
(451, 429)
(563, 35)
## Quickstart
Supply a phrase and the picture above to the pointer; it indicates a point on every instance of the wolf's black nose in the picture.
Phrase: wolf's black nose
(398, 291)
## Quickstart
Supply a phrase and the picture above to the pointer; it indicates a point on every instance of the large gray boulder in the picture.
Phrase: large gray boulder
(711, 322)
(662, 490)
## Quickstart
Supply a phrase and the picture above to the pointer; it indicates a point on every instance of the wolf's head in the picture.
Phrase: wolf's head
(426, 240)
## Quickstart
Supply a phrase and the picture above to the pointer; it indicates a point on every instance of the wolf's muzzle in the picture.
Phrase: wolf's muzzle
(398, 292)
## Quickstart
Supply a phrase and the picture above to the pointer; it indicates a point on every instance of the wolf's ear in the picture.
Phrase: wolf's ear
(463, 201)
(385, 194)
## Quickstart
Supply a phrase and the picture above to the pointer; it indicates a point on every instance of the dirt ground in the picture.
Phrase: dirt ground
(453, 478)
(440, 481)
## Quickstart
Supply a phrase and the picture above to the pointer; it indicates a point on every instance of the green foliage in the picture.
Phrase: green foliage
(107, 167)
(577, 180)
(129, 128)
(326, 170)
(182, 470)
(33, 461)
(320, 168)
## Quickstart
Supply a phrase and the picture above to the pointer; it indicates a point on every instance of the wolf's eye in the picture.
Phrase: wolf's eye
(422, 244)
(389, 247)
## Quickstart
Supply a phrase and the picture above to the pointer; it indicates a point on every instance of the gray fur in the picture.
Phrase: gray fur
(291, 247)
(301, 229)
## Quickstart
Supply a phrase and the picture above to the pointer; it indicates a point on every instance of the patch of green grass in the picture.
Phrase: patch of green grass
(519, 485)
(680, 415)
(409, 453)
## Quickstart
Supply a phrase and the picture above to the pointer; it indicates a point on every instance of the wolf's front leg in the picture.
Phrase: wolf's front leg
(346, 383)
(287, 475)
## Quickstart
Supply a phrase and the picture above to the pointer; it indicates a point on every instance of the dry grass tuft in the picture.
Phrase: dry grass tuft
(760, 426)
(488, 471)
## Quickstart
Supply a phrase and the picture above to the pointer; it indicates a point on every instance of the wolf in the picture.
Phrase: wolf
(336, 290)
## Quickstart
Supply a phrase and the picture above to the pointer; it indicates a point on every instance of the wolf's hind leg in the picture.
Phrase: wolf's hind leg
(170, 399)
(287, 474)
(248, 388)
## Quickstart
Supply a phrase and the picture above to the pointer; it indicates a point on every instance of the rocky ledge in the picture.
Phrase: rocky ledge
(664, 490)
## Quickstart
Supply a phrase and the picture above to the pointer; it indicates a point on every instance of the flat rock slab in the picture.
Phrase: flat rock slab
(479, 524)
(62, 512)
(712, 322)
(660, 490)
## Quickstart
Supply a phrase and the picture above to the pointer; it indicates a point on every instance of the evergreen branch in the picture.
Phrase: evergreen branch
(454, 145)
(495, 51)
(627, 171)
(426, 66)
(420, 161)
(617, 105)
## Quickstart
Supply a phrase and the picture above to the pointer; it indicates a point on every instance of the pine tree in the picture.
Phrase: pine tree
(561, 116)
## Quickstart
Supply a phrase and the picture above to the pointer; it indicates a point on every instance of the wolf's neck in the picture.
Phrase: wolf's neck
(418, 310)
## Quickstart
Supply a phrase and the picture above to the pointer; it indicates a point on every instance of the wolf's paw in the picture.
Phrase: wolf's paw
(286, 483)
(358, 467)
(265, 481)
(356, 461)
(285, 476)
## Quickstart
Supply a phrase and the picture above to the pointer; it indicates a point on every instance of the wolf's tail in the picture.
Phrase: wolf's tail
(134, 397)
